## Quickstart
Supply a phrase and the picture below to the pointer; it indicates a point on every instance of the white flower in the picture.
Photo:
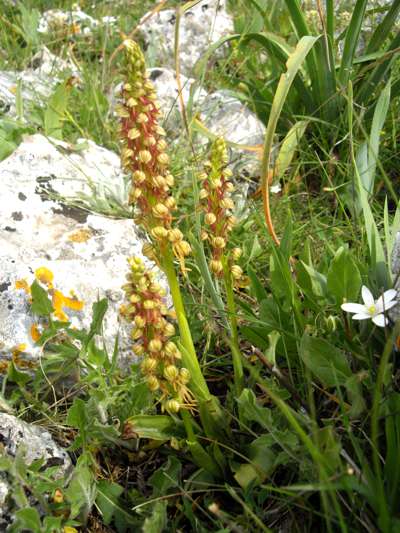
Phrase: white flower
(372, 309)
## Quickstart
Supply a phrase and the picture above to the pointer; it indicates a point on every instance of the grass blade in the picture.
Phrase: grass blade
(293, 65)
(368, 173)
(350, 43)
(289, 147)
(384, 28)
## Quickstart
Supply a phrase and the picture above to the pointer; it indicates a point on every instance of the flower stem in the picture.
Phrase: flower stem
(234, 341)
(198, 383)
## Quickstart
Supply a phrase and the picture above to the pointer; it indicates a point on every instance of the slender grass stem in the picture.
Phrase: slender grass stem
(384, 519)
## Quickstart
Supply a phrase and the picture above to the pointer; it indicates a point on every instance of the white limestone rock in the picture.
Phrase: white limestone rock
(37, 82)
(225, 115)
(166, 87)
(200, 26)
(394, 313)
(75, 22)
(87, 253)
(37, 443)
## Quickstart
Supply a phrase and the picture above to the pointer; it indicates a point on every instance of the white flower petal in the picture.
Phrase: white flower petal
(386, 300)
(380, 321)
(367, 297)
(361, 316)
(354, 308)
(388, 305)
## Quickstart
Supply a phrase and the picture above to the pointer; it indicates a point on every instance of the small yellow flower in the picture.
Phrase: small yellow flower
(44, 275)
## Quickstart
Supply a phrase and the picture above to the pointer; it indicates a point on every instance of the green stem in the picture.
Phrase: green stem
(187, 422)
(384, 518)
(199, 385)
(234, 341)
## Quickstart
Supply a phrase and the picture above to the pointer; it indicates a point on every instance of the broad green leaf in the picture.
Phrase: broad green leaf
(312, 282)
(56, 111)
(81, 491)
(203, 459)
(15, 376)
(157, 521)
(155, 427)
(41, 304)
(27, 519)
(252, 411)
(76, 416)
(166, 477)
(261, 463)
(107, 499)
(273, 338)
(257, 336)
(344, 278)
(326, 362)
(257, 287)
(99, 309)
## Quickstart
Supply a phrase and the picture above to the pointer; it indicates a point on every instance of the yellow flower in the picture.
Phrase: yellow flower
(44, 275)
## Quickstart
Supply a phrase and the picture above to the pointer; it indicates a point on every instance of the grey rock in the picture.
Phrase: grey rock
(37, 443)
(75, 21)
(225, 115)
(36, 82)
(4, 492)
(394, 313)
(86, 252)
(200, 26)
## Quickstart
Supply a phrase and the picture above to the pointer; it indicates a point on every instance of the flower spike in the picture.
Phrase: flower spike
(144, 156)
